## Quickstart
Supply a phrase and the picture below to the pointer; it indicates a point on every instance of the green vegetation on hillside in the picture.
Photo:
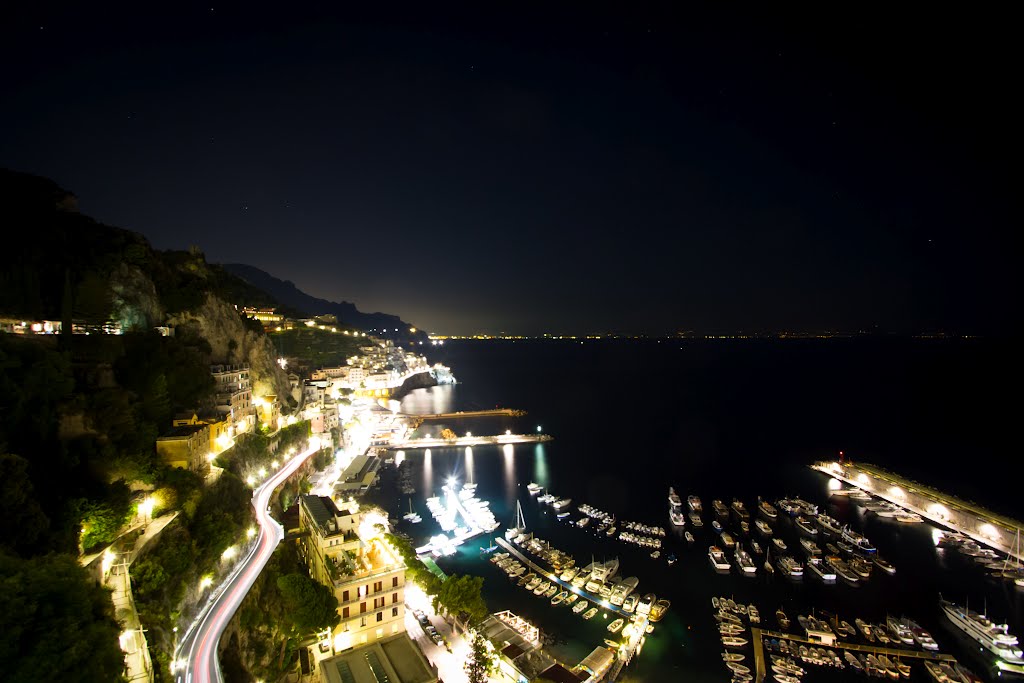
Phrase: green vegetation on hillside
(55, 624)
(317, 348)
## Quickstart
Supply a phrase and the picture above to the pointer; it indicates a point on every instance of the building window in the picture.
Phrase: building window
(380, 616)
(394, 598)
(362, 607)
(394, 611)
(394, 582)
(344, 596)
(380, 633)
(344, 612)
(378, 586)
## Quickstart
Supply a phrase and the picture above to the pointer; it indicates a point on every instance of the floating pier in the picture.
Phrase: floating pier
(971, 520)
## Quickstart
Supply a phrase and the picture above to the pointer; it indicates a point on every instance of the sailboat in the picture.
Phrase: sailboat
(412, 516)
(1014, 572)
(520, 527)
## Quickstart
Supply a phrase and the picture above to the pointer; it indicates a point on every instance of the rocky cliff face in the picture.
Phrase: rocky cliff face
(220, 325)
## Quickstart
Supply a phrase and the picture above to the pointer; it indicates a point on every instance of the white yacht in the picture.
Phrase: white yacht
(694, 503)
(743, 559)
(562, 503)
(673, 498)
(996, 638)
(718, 559)
(534, 487)
(677, 517)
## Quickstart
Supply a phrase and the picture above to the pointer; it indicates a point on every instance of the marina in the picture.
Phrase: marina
(907, 571)
(981, 525)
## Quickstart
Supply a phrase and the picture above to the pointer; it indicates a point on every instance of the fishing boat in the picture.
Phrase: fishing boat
(558, 599)
(411, 515)
(767, 509)
(733, 656)
(534, 488)
(782, 619)
(884, 565)
(580, 606)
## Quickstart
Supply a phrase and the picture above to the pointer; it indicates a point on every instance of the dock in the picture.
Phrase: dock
(500, 440)
(461, 414)
(984, 526)
(595, 600)
(899, 653)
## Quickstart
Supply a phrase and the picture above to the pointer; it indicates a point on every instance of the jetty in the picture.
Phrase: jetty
(971, 520)
(462, 414)
(499, 440)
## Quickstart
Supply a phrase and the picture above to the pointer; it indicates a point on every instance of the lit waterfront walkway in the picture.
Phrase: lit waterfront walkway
(500, 440)
(845, 473)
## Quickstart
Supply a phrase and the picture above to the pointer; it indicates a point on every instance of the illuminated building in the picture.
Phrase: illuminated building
(345, 551)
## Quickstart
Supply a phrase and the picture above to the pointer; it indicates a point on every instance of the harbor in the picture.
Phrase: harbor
(983, 526)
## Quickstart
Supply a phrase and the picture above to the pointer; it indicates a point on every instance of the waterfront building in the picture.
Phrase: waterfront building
(345, 551)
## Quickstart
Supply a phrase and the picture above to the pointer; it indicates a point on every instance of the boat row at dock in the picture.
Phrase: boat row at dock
(598, 581)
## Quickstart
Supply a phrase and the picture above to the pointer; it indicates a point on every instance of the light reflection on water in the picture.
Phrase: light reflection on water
(469, 464)
(509, 474)
(428, 472)
(540, 465)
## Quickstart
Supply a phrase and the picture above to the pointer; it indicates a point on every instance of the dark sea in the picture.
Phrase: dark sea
(724, 419)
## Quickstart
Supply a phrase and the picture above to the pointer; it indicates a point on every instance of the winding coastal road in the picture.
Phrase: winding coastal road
(196, 654)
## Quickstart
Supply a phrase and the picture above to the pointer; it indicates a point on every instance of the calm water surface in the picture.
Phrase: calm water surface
(725, 420)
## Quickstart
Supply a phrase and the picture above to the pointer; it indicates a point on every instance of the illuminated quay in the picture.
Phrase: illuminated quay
(988, 528)
(468, 440)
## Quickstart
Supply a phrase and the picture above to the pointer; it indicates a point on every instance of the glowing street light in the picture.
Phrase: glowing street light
(205, 582)
(250, 480)
(229, 552)
(262, 472)
(251, 532)
(538, 429)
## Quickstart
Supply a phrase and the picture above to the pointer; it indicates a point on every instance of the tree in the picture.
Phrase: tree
(463, 595)
(479, 665)
(21, 519)
(310, 605)
(55, 623)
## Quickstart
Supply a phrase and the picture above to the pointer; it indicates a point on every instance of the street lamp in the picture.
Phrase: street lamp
(538, 429)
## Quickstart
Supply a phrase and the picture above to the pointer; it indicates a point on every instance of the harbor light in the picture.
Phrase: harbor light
(508, 432)
(468, 434)
(863, 479)
(538, 429)
(897, 492)
(937, 510)
(834, 484)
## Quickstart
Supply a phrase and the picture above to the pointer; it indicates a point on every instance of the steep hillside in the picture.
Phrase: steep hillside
(62, 265)
(285, 291)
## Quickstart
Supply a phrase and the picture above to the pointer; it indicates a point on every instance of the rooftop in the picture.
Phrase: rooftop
(396, 660)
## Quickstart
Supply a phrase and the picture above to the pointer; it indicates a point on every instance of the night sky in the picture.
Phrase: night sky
(517, 167)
